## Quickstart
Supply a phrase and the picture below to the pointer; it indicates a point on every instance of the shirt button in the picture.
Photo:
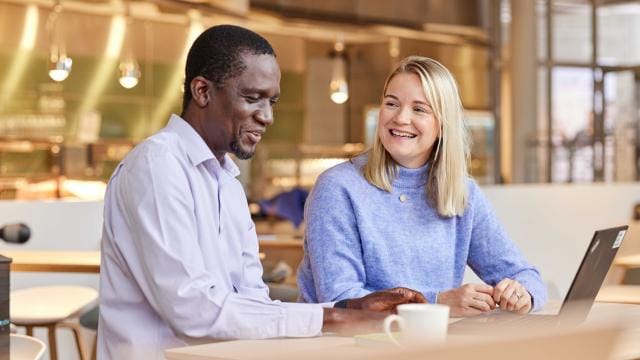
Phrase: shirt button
(403, 198)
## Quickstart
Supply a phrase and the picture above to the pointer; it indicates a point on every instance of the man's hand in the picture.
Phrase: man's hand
(468, 300)
(366, 314)
(386, 300)
(512, 296)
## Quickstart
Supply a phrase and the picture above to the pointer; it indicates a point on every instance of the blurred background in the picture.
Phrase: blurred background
(551, 88)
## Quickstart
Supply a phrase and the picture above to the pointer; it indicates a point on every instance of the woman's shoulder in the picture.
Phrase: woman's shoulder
(346, 172)
(472, 185)
(475, 196)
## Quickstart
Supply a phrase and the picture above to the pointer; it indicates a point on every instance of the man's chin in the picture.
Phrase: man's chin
(243, 153)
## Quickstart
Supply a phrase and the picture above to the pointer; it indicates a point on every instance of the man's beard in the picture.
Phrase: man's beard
(239, 152)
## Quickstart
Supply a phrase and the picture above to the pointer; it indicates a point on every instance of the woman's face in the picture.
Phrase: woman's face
(407, 125)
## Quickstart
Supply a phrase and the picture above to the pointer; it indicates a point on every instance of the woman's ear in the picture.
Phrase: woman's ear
(201, 90)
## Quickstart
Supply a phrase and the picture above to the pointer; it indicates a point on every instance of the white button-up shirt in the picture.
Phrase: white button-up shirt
(180, 255)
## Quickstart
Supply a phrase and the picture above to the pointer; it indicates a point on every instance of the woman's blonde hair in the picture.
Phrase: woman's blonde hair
(447, 181)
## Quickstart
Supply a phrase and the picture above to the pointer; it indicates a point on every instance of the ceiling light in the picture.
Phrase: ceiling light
(129, 69)
(59, 66)
(59, 62)
(339, 88)
(129, 74)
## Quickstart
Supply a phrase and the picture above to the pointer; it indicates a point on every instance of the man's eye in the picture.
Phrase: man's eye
(252, 99)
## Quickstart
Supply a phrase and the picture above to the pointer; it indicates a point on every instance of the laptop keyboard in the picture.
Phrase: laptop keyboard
(526, 320)
(503, 321)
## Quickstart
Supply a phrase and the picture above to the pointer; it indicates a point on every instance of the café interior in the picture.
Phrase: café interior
(551, 96)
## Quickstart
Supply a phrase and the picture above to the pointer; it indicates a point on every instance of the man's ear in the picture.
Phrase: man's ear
(201, 91)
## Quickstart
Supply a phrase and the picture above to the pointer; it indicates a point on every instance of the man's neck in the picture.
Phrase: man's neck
(196, 123)
(219, 155)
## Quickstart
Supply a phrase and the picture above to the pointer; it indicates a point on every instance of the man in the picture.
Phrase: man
(179, 250)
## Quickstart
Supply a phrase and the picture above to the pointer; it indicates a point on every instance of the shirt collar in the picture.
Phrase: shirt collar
(229, 166)
(195, 147)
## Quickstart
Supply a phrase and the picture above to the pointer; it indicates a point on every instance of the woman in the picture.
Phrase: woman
(407, 213)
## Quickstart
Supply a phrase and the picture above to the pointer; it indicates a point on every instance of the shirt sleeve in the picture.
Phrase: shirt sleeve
(333, 252)
(493, 256)
(168, 264)
(252, 268)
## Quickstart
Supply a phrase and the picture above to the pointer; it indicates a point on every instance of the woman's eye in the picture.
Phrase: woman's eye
(390, 104)
(423, 110)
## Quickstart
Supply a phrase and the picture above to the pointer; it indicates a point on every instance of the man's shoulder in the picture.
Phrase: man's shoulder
(159, 146)
(156, 161)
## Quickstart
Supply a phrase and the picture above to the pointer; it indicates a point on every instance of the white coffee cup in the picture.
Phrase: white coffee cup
(419, 323)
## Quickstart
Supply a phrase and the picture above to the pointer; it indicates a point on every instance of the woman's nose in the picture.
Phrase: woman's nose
(403, 117)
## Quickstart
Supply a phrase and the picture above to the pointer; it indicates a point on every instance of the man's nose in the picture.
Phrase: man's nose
(265, 115)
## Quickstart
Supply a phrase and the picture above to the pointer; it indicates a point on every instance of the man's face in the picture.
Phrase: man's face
(239, 113)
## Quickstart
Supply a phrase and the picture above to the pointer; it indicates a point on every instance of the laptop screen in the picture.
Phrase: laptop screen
(592, 271)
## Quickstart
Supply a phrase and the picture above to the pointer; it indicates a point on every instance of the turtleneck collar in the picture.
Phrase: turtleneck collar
(411, 178)
(405, 177)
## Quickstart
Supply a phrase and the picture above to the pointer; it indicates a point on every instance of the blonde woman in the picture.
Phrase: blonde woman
(406, 213)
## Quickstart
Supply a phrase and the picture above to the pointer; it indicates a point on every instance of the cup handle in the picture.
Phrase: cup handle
(387, 326)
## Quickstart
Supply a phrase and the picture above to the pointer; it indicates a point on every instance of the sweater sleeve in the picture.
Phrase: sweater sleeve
(333, 267)
(492, 254)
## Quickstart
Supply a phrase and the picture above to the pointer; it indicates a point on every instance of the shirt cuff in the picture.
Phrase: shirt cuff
(431, 296)
(303, 320)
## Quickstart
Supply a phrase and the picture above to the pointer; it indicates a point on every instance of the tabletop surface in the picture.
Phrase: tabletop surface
(628, 261)
(53, 260)
(627, 345)
(87, 261)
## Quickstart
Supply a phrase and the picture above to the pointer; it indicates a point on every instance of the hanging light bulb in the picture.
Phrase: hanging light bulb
(339, 88)
(394, 48)
(59, 62)
(129, 68)
(129, 74)
(59, 65)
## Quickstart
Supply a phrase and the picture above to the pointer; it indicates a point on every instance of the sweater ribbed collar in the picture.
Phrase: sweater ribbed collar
(411, 178)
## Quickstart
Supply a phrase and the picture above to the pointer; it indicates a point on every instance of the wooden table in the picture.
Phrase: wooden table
(622, 293)
(627, 345)
(627, 294)
(54, 261)
(89, 261)
(628, 262)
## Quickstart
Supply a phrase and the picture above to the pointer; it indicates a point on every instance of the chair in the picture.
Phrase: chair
(90, 321)
(25, 347)
(50, 307)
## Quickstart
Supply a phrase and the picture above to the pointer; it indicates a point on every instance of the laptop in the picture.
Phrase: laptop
(577, 303)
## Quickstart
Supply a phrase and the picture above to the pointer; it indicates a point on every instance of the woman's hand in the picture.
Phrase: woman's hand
(468, 300)
(512, 296)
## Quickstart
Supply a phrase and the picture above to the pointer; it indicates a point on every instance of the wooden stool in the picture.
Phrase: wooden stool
(49, 307)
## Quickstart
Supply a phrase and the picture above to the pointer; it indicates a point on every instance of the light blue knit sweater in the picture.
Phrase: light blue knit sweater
(360, 239)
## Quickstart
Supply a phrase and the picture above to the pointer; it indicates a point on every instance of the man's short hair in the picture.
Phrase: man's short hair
(216, 55)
